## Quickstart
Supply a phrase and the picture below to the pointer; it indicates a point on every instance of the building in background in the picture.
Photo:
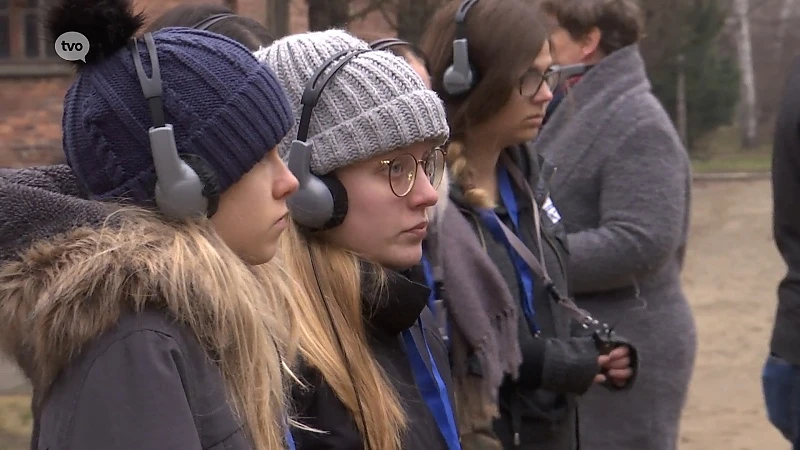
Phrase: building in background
(33, 80)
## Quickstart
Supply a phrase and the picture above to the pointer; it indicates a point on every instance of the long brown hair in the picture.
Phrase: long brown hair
(321, 322)
(504, 36)
(76, 286)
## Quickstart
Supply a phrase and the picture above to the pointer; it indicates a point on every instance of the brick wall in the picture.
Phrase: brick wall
(31, 108)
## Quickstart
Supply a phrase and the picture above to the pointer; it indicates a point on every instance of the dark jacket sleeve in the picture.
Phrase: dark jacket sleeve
(565, 366)
(133, 398)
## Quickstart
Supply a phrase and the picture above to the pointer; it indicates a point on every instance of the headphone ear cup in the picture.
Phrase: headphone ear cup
(340, 201)
(208, 178)
(457, 83)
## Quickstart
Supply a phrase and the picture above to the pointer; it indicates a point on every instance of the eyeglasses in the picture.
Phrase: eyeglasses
(532, 80)
(403, 170)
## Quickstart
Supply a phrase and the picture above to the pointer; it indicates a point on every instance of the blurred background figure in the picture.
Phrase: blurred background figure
(217, 19)
(410, 52)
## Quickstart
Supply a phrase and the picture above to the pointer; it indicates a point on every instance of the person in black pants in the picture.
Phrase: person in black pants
(781, 374)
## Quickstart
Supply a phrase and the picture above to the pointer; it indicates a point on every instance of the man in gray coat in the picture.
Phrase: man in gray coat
(623, 191)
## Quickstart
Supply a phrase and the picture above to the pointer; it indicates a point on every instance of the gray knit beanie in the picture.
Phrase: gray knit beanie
(375, 104)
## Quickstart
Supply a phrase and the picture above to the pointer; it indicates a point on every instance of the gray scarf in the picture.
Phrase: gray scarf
(481, 313)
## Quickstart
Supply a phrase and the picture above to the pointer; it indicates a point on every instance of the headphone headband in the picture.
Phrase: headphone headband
(179, 189)
(206, 23)
(151, 86)
(320, 203)
(387, 43)
(317, 83)
(461, 17)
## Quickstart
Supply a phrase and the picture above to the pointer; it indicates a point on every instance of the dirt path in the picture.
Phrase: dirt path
(731, 275)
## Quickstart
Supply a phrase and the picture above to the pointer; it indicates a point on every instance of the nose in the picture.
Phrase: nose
(285, 183)
(423, 194)
(544, 95)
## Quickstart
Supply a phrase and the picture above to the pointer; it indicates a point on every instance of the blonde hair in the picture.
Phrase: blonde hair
(462, 172)
(320, 322)
(77, 285)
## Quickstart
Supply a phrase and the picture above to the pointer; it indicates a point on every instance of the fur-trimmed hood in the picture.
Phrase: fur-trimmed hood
(70, 267)
(37, 328)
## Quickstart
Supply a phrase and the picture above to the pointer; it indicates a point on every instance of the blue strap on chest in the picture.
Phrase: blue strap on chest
(432, 388)
(430, 282)
(435, 302)
(524, 274)
(290, 439)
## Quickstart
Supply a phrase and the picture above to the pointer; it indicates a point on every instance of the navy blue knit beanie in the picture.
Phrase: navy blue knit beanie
(224, 106)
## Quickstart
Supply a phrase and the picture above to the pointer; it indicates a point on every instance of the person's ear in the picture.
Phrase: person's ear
(591, 42)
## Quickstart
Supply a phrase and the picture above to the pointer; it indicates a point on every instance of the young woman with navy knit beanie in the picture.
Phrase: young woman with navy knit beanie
(140, 304)
(373, 373)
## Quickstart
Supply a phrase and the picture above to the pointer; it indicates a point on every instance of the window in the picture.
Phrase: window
(25, 47)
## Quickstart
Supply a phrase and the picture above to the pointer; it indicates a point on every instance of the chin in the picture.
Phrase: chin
(528, 135)
(259, 256)
(402, 259)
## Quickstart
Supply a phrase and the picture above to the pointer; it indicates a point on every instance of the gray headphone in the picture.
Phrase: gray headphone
(320, 203)
(180, 191)
(460, 76)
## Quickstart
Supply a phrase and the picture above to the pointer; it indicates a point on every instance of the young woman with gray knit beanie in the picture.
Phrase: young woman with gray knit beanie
(139, 303)
(373, 371)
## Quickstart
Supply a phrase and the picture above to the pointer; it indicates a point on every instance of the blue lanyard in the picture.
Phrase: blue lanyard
(440, 316)
(290, 438)
(430, 282)
(524, 273)
(432, 388)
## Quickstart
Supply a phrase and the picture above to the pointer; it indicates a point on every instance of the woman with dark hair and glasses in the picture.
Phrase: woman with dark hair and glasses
(498, 257)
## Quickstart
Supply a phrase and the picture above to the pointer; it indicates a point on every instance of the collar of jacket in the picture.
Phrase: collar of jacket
(397, 306)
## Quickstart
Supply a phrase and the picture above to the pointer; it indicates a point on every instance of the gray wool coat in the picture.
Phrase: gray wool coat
(623, 189)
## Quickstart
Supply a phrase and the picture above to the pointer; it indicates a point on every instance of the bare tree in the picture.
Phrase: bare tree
(749, 118)
(785, 13)
(278, 17)
(413, 17)
(324, 14)
(680, 102)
